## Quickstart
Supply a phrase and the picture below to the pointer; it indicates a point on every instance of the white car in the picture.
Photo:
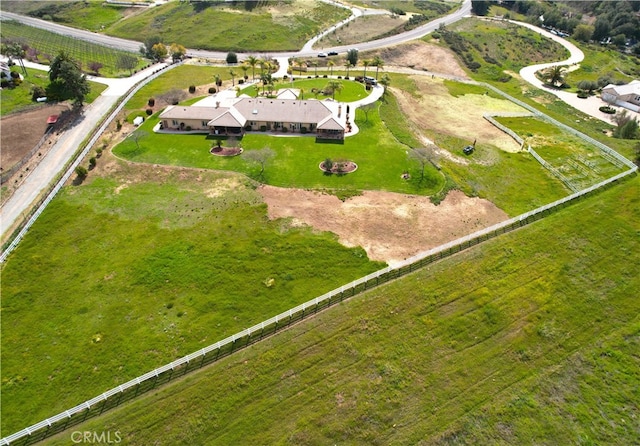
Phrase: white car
(322, 54)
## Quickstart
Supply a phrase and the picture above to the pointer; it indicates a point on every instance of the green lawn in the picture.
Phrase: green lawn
(133, 270)
(531, 338)
(18, 98)
(381, 159)
(272, 27)
(49, 44)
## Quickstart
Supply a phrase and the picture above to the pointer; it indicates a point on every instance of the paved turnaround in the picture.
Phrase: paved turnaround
(15, 210)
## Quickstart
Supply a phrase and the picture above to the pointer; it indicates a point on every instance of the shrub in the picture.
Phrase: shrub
(37, 92)
(583, 94)
(285, 77)
(149, 112)
(285, 130)
(248, 128)
(81, 171)
(346, 77)
(92, 162)
(339, 77)
(240, 81)
(212, 90)
(15, 75)
(608, 110)
(151, 102)
(192, 89)
(303, 130)
(188, 128)
(325, 76)
(98, 152)
(232, 57)
(118, 125)
(263, 128)
(4, 83)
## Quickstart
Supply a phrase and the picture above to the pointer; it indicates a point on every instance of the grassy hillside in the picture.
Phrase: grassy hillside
(528, 339)
(138, 267)
(274, 26)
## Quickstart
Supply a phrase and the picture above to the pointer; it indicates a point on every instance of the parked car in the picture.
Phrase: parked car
(468, 150)
(322, 54)
(332, 53)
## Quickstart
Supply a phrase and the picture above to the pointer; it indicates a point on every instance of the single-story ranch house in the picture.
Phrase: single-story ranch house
(627, 96)
(257, 114)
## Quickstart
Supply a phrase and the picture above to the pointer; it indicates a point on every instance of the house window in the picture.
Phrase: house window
(174, 122)
(204, 123)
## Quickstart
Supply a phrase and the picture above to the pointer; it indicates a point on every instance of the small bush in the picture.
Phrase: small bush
(212, 90)
(37, 92)
(608, 110)
(285, 77)
(240, 81)
(98, 152)
(192, 89)
(15, 75)
(4, 83)
(232, 57)
(149, 112)
(325, 76)
(188, 128)
(583, 94)
(339, 77)
(151, 102)
(263, 128)
(92, 162)
(118, 125)
(303, 130)
(285, 130)
(81, 171)
(248, 128)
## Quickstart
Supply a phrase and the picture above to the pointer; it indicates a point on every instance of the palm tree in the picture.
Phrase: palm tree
(365, 63)
(555, 75)
(252, 61)
(233, 77)
(378, 63)
(299, 63)
(244, 69)
(315, 64)
(330, 64)
(302, 93)
(347, 65)
(334, 86)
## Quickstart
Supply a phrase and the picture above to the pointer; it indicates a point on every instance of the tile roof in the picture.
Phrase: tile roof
(282, 110)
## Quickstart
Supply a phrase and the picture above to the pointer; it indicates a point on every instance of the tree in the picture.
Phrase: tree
(67, 80)
(583, 33)
(300, 63)
(555, 75)
(627, 125)
(15, 50)
(352, 56)
(347, 65)
(177, 52)
(173, 96)
(334, 86)
(424, 156)
(315, 65)
(385, 81)
(147, 47)
(233, 77)
(260, 157)
(366, 109)
(331, 64)
(138, 136)
(588, 86)
(378, 63)
(82, 172)
(252, 61)
(127, 62)
(365, 64)
(159, 52)
(232, 57)
(95, 67)
(479, 7)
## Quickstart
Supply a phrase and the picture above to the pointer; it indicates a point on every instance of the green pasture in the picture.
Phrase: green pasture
(351, 90)
(49, 44)
(428, 8)
(380, 158)
(130, 271)
(89, 14)
(579, 161)
(531, 338)
(18, 98)
(277, 27)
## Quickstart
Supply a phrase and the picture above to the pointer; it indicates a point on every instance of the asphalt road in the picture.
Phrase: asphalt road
(14, 210)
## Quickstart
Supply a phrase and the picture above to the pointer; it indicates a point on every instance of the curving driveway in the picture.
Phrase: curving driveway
(590, 105)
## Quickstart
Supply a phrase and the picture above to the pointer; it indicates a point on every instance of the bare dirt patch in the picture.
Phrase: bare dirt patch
(362, 29)
(437, 110)
(422, 56)
(389, 226)
(20, 132)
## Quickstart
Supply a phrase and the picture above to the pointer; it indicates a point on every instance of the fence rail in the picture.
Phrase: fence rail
(76, 160)
(207, 355)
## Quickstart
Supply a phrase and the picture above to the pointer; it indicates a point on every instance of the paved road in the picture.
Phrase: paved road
(590, 105)
(14, 210)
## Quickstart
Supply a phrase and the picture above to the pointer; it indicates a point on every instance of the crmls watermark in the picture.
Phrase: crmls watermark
(92, 437)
